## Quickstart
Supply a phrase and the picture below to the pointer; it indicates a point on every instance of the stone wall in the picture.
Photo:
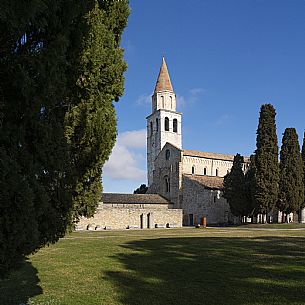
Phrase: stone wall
(200, 202)
(211, 165)
(168, 170)
(124, 216)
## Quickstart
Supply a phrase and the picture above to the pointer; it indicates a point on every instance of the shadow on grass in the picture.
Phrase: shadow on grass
(207, 270)
(19, 285)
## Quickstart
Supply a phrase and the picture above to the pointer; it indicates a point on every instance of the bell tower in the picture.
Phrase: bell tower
(164, 124)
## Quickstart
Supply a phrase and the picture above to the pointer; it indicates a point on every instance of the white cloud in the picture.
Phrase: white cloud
(133, 139)
(144, 99)
(192, 97)
(125, 163)
(180, 101)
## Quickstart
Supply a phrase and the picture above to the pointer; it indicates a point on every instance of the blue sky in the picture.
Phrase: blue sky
(225, 59)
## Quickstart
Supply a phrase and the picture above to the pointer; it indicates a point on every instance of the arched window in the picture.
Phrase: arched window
(175, 124)
(157, 124)
(205, 171)
(167, 184)
(167, 154)
(217, 171)
(193, 170)
(162, 101)
(151, 128)
(166, 124)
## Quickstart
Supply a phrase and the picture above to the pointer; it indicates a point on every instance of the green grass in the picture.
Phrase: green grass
(276, 226)
(170, 267)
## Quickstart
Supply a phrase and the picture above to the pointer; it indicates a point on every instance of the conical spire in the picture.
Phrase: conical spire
(163, 81)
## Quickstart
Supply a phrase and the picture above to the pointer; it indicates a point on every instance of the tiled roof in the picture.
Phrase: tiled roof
(210, 182)
(209, 155)
(163, 81)
(134, 198)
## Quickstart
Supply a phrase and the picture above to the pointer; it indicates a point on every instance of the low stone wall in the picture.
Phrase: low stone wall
(132, 216)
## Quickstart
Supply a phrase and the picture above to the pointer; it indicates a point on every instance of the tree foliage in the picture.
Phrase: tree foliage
(60, 69)
(98, 80)
(291, 195)
(250, 187)
(234, 188)
(266, 186)
(303, 159)
(141, 190)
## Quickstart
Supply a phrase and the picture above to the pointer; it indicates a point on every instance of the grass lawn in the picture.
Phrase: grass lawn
(275, 226)
(170, 267)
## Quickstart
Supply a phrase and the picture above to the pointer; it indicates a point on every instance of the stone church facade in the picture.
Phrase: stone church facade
(184, 186)
(191, 180)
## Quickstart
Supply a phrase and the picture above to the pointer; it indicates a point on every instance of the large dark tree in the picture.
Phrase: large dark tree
(303, 159)
(234, 188)
(97, 74)
(250, 187)
(60, 69)
(266, 161)
(291, 195)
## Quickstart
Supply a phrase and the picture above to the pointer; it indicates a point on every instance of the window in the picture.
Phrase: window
(167, 184)
(205, 171)
(157, 124)
(162, 101)
(171, 101)
(151, 128)
(166, 124)
(193, 169)
(217, 171)
(167, 154)
(175, 124)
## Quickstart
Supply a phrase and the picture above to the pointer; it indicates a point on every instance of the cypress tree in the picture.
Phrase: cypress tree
(250, 187)
(291, 195)
(303, 159)
(60, 69)
(234, 188)
(90, 123)
(35, 198)
(266, 161)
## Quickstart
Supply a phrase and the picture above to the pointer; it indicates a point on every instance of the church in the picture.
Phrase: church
(191, 180)
(184, 186)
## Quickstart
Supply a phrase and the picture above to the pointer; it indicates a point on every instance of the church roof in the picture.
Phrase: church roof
(209, 155)
(163, 81)
(209, 182)
(134, 198)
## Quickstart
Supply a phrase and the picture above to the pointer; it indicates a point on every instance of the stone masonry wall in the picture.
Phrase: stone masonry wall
(200, 202)
(123, 216)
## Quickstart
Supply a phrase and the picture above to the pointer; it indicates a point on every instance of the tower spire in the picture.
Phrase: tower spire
(163, 81)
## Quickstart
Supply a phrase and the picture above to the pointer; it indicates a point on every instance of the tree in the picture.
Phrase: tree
(266, 161)
(141, 190)
(97, 74)
(59, 61)
(250, 187)
(291, 195)
(234, 187)
(303, 159)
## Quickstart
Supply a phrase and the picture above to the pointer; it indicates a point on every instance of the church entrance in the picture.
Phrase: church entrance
(191, 219)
